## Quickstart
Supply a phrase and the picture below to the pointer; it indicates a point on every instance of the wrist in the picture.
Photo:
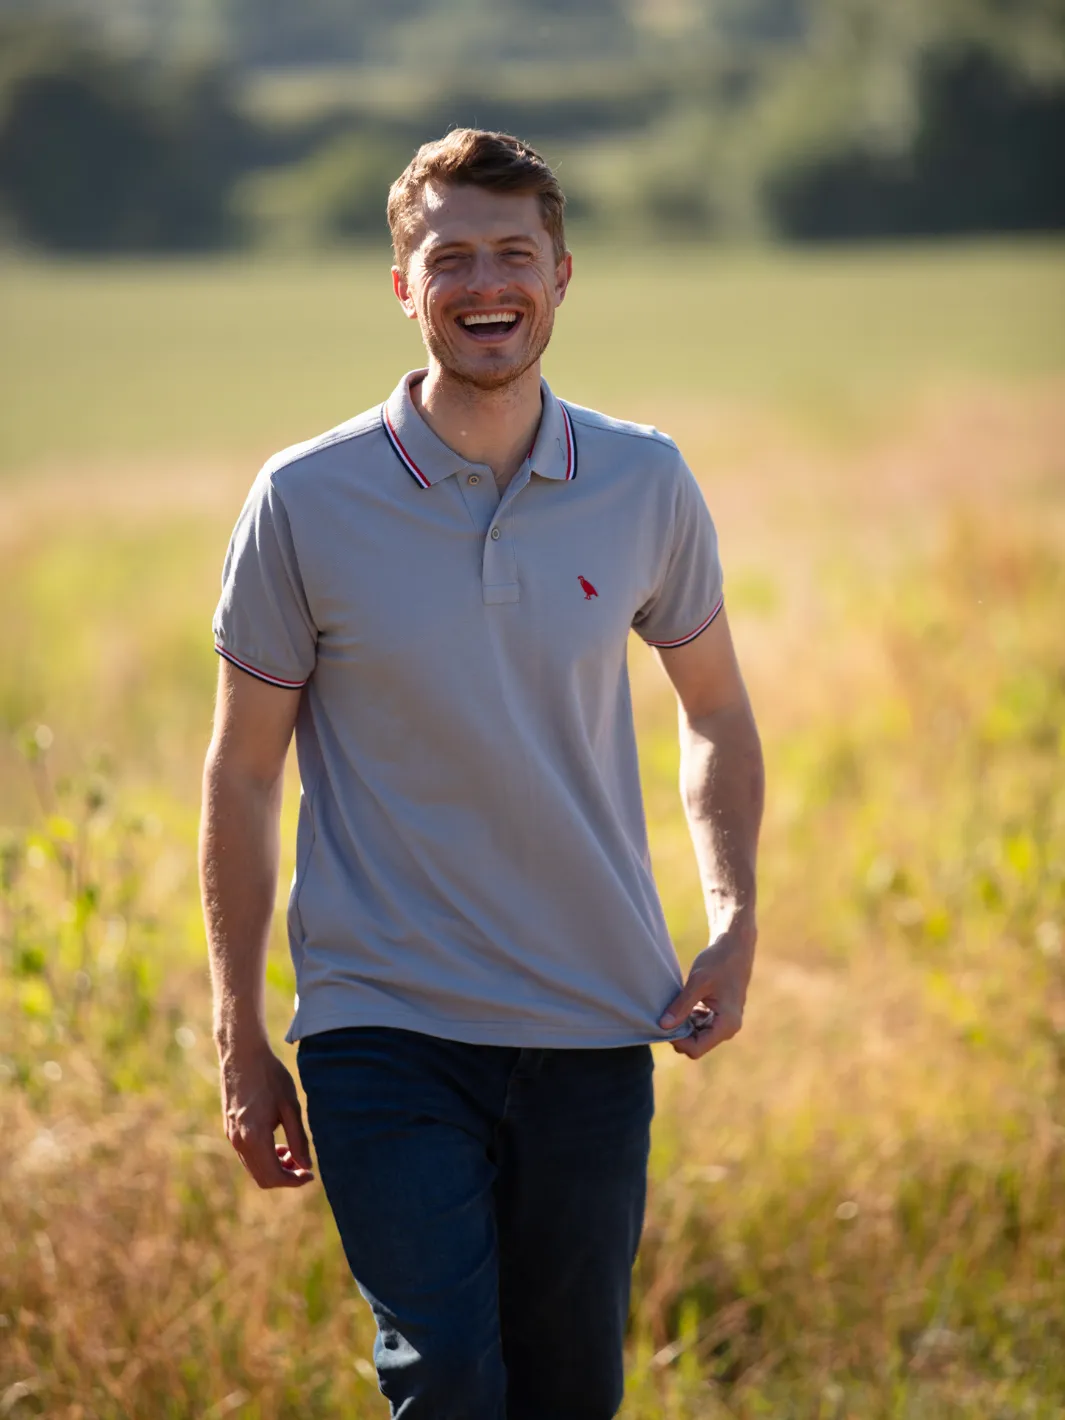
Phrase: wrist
(737, 920)
(240, 1036)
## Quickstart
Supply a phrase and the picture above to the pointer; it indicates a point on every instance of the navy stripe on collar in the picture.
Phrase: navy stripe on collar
(401, 453)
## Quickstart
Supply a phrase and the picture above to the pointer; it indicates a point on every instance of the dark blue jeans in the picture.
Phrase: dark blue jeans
(490, 1201)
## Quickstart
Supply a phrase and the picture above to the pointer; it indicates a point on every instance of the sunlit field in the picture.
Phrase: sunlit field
(857, 1208)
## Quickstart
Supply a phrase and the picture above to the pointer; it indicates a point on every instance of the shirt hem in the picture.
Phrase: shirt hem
(526, 1035)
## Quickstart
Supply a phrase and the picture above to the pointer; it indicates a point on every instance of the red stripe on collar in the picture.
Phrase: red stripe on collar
(401, 453)
(571, 444)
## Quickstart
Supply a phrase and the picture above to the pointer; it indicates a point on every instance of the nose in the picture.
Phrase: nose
(486, 277)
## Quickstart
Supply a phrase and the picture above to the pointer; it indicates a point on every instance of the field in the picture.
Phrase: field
(857, 1208)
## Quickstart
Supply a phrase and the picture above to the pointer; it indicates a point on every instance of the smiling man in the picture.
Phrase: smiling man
(436, 598)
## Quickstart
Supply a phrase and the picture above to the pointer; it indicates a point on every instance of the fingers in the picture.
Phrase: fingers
(256, 1102)
(684, 1003)
(270, 1164)
(296, 1135)
(717, 981)
(723, 1026)
(296, 1170)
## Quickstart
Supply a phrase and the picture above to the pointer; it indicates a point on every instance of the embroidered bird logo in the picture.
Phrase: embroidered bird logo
(587, 588)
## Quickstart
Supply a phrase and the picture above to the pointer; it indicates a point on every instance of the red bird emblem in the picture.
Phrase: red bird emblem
(587, 588)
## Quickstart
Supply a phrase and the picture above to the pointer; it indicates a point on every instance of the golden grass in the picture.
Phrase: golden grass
(855, 1209)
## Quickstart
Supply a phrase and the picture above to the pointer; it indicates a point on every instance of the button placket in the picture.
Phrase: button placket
(480, 495)
(499, 575)
(492, 514)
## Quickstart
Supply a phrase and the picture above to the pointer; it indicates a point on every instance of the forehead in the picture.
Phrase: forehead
(447, 213)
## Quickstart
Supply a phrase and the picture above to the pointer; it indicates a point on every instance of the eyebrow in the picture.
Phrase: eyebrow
(457, 244)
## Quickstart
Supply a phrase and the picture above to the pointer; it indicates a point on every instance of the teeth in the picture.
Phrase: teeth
(496, 318)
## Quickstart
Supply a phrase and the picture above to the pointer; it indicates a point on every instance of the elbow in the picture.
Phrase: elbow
(728, 730)
(722, 754)
(229, 776)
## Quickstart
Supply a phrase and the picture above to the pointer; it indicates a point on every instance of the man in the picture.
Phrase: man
(437, 597)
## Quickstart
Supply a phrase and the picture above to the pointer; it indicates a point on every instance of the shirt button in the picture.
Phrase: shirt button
(495, 534)
(474, 479)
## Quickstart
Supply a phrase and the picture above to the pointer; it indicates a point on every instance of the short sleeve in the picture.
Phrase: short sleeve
(263, 623)
(689, 593)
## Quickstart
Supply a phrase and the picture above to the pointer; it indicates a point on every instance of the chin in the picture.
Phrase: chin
(493, 379)
(494, 370)
(488, 375)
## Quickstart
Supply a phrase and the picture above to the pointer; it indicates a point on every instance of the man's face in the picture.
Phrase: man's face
(482, 282)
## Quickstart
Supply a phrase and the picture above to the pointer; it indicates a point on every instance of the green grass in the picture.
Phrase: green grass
(855, 1208)
(221, 359)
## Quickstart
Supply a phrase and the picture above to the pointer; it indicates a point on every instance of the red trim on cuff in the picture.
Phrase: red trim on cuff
(254, 670)
(683, 640)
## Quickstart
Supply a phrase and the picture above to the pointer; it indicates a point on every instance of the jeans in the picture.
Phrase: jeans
(489, 1200)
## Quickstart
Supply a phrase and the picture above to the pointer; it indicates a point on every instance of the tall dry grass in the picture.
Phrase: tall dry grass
(856, 1209)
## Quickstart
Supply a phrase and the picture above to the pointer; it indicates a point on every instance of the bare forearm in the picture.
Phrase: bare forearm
(723, 787)
(239, 844)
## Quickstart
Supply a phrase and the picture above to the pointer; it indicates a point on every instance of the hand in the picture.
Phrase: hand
(715, 992)
(258, 1094)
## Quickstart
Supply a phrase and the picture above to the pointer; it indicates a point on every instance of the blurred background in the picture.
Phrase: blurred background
(820, 243)
(133, 125)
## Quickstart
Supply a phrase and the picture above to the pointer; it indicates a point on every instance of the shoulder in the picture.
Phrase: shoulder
(593, 420)
(299, 462)
(636, 457)
(614, 439)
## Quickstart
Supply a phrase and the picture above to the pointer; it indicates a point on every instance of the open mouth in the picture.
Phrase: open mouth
(487, 326)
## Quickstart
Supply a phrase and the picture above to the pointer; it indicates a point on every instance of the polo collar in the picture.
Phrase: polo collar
(425, 456)
(428, 459)
(554, 453)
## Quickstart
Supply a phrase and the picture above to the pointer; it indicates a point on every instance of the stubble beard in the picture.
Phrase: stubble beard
(486, 379)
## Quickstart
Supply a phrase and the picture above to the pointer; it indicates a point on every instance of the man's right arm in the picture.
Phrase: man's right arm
(239, 849)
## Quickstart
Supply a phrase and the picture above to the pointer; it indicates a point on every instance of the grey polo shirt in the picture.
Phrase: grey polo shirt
(472, 857)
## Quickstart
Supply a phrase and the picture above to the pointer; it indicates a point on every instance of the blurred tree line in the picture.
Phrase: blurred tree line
(147, 125)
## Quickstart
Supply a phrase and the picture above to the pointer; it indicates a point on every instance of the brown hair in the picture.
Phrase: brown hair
(473, 157)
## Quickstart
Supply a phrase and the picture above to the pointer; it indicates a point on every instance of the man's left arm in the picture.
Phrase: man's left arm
(722, 785)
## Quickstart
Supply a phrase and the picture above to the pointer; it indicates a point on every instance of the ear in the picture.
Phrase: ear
(401, 287)
(563, 276)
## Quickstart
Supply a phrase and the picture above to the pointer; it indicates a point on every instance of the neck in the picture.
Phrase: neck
(493, 427)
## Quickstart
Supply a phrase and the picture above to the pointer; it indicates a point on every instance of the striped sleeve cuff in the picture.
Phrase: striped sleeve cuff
(683, 640)
(255, 671)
